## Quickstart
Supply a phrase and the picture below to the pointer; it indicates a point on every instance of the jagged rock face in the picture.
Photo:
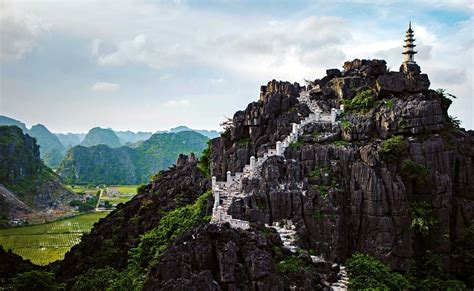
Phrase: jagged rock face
(257, 128)
(112, 237)
(28, 183)
(221, 258)
(348, 197)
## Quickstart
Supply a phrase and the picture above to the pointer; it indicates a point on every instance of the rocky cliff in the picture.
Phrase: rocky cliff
(390, 178)
(28, 184)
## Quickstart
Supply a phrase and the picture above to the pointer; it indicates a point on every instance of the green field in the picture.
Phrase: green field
(126, 189)
(48, 242)
(82, 189)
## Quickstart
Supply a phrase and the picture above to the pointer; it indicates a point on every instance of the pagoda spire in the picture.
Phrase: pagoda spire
(409, 52)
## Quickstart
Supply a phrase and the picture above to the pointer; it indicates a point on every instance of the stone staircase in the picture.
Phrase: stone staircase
(225, 192)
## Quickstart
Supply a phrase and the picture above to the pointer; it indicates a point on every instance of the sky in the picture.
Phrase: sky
(147, 65)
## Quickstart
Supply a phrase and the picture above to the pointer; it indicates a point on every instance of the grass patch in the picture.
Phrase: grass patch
(48, 242)
(315, 134)
(292, 109)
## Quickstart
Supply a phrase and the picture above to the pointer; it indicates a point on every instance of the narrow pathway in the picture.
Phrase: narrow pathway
(226, 191)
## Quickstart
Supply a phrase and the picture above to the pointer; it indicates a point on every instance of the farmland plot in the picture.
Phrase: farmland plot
(48, 242)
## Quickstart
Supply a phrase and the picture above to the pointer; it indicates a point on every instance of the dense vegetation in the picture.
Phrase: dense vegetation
(124, 165)
(425, 273)
(362, 102)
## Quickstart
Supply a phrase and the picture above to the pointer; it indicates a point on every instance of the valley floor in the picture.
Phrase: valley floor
(48, 242)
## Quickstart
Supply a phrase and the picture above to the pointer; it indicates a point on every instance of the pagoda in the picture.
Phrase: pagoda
(409, 52)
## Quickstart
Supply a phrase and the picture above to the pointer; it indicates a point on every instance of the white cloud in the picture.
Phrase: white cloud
(177, 103)
(18, 32)
(105, 87)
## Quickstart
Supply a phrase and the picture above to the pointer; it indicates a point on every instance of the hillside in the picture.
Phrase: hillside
(29, 184)
(104, 136)
(51, 148)
(124, 165)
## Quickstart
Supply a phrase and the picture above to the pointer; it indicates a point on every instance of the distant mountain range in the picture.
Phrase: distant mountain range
(101, 164)
(53, 146)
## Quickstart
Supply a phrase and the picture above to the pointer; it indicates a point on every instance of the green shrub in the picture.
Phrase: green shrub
(315, 134)
(366, 272)
(292, 109)
(319, 172)
(422, 217)
(411, 170)
(389, 103)
(296, 145)
(96, 279)
(204, 164)
(426, 273)
(362, 102)
(171, 225)
(454, 121)
(392, 147)
(142, 188)
(323, 191)
(35, 280)
(292, 265)
(345, 124)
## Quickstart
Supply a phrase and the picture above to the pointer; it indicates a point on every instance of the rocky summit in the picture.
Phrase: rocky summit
(306, 189)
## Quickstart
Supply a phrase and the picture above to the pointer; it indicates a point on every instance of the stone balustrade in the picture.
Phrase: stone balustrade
(232, 186)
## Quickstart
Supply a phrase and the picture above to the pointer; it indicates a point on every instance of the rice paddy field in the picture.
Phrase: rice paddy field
(48, 242)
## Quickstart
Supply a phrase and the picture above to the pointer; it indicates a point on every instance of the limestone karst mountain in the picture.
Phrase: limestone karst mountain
(101, 136)
(368, 161)
(26, 184)
(51, 149)
(101, 164)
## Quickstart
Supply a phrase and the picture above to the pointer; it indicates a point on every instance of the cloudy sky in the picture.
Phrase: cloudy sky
(150, 65)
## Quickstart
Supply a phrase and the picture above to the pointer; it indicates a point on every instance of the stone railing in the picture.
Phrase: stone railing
(225, 191)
